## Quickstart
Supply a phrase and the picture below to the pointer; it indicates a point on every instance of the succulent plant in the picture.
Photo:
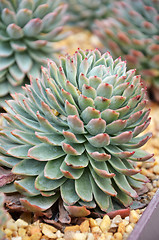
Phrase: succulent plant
(74, 134)
(134, 34)
(83, 13)
(28, 29)
(3, 215)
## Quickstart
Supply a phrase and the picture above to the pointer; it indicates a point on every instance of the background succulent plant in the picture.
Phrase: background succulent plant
(134, 34)
(83, 13)
(3, 215)
(75, 133)
(27, 30)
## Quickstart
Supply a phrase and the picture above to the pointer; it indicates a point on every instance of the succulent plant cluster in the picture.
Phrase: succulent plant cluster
(27, 30)
(83, 13)
(134, 34)
(74, 134)
(3, 215)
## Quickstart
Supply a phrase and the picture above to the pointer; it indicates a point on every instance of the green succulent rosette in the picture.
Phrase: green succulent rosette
(28, 29)
(133, 33)
(83, 13)
(74, 134)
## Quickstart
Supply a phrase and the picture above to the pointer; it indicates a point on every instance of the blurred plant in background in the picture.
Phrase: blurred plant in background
(133, 33)
(27, 32)
(84, 12)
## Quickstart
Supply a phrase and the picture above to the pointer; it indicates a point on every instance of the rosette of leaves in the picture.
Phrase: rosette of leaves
(83, 13)
(3, 215)
(28, 29)
(134, 34)
(74, 134)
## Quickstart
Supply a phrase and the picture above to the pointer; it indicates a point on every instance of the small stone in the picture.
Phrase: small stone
(134, 216)
(8, 232)
(129, 229)
(92, 222)
(96, 229)
(121, 227)
(36, 236)
(34, 229)
(105, 224)
(79, 236)
(98, 221)
(117, 219)
(48, 232)
(21, 232)
(84, 227)
(156, 169)
(90, 236)
(16, 238)
(72, 228)
(118, 236)
(11, 225)
(21, 223)
(59, 234)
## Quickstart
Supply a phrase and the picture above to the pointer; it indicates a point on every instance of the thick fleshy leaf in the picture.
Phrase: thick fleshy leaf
(101, 198)
(44, 184)
(75, 124)
(5, 49)
(77, 162)
(96, 126)
(14, 31)
(45, 152)
(20, 151)
(33, 27)
(28, 167)
(39, 203)
(85, 102)
(52, 169)
(109, 115)
(68, 193)
(105, 90)
(77, 211)
(103, 183)
(83, 187)
(24, 62)
(116, 126)
(101, 169)
(121, 138)
(90, 113)
(71, 173)
(26, 187)
(100, 140)
(23, 16)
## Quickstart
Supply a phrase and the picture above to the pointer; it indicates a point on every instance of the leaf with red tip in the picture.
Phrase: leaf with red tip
(140, 177)
(117, 152)
(133, 118)
(90, 113)
(14, 31)
(109, 115)
(71, 137)
(97, 154)
(141, 155)
(105, 90)
(71, 173)
(39, 203)
(88, 91)
(121, 138)
(33, 27)
(77, 211)
(138, 141)
(96, 126)
(75, 124)
(100, 140)
(101, 169)
(138, 129)
(123, 184)
(119, 166)
(26, 186)
(83, 187)
(94, 81)
(123, 111)
(116, 102)
(76, 162)
(103, 183)
(20, 151)
(116, 126)
(70, 109)
(85, 102)
(101, 103)
(73, 148)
